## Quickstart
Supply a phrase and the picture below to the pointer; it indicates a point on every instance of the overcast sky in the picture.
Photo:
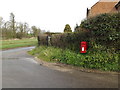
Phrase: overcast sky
(49, 15)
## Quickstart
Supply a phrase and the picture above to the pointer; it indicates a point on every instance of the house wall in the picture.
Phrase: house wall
(102, 7)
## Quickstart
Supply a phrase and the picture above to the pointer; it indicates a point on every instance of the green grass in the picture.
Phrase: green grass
(44, 52)
(93, 59)
(7, 44)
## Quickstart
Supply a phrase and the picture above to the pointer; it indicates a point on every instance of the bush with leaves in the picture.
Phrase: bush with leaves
(67, 28)
(105, 28)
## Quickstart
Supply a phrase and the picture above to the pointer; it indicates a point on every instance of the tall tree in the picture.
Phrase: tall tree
(26, 28)
(21, 28)
(1, 22)
(7, 30)
(36, 31)
(67, 28)
(12, 20)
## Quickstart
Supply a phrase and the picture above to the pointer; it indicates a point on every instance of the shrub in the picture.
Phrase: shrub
(93, 60)
(67, 40)
(105, 29)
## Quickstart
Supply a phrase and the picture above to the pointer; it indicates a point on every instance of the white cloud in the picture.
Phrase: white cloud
(47, 14)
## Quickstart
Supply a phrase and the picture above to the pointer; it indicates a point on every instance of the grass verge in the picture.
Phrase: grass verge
(100, 60)
(7, 44)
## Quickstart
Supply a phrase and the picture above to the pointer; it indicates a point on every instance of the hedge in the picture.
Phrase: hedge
(105, 28)
(103, 37)
(100, 30)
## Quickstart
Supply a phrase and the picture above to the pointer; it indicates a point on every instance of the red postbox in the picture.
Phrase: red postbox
(83, 47)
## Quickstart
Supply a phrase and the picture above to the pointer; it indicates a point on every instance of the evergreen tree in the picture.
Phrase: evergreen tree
(67, 28)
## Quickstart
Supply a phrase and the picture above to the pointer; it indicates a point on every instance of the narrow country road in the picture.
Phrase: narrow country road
(20, 70)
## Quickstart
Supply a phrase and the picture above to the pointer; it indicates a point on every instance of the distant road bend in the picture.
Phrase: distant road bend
(20, 70)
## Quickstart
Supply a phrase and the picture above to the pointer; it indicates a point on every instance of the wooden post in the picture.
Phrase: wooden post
(38, 38)
(48, 40)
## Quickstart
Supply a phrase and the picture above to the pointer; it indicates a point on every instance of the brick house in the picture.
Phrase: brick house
(104, 6)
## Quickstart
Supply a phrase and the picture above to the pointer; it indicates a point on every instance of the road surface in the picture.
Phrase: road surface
(20, 70)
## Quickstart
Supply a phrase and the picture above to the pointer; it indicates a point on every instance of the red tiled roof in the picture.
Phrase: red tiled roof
(102, 7)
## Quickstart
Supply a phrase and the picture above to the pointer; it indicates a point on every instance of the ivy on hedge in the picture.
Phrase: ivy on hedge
(105, 27)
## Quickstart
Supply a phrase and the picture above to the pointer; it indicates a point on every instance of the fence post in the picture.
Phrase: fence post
(38, 38)
(49, 40)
